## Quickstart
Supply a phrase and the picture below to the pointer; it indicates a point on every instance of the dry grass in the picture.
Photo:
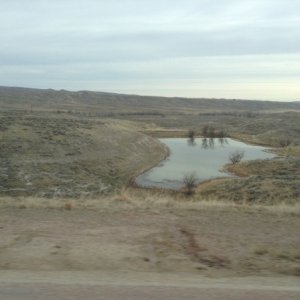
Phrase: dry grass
(68, 206)
(260, 182)
(260, 250)
(132, 198)
(281, 254)
(288, 151)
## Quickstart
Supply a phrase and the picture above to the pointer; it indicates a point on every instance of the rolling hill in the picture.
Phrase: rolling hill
(48, 99)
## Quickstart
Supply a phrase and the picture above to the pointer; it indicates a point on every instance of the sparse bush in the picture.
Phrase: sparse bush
(236, 156)
(122, 196)
(190, 183)
(68, 206)
(260, 250)
(284, 142)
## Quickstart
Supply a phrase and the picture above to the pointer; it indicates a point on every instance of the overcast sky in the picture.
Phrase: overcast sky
(196, 48)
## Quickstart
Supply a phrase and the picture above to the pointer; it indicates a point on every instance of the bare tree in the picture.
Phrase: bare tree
(191, 137)
(190, 183)
(236, 156)
(191, 134)
(205, 130)
(221, 134)
(211, 132)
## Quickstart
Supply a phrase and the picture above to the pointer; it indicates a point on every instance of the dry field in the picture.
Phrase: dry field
(143, 231)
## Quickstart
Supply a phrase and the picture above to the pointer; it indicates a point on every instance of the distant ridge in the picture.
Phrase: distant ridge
(49, 99)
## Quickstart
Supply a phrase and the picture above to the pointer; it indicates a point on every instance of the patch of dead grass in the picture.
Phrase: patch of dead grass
(131, 199)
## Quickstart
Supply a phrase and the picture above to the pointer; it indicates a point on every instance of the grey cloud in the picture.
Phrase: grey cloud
(70, 48)
(114, 40)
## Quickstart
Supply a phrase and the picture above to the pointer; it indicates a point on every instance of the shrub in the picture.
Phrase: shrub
(236, 156)
(190, 183)
(68, 206)
(285, 142)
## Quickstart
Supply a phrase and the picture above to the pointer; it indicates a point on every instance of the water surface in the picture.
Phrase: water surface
(205, 157)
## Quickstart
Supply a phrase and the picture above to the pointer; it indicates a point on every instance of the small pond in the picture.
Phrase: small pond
(204, 156)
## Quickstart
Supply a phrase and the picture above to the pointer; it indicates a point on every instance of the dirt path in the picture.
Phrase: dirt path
(22, 285)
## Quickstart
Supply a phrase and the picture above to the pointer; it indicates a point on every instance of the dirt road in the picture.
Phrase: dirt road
(18, 285)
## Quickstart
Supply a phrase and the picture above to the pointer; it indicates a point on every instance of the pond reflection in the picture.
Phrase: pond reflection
(191, 141)
(209, 143)
(223, 141)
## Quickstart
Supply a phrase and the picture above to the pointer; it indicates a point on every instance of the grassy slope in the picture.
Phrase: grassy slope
(53, 155)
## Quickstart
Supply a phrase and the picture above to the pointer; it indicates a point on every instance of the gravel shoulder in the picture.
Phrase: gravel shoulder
(93, 285)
